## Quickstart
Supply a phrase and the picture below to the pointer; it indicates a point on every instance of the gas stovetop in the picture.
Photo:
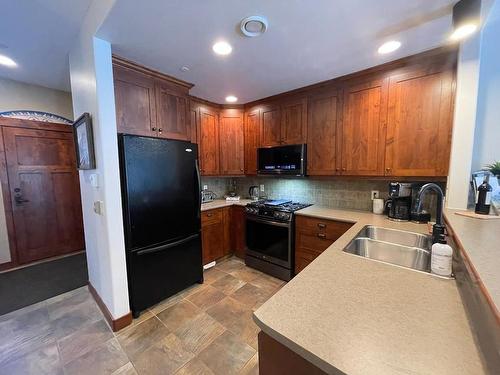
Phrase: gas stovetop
(277, 209)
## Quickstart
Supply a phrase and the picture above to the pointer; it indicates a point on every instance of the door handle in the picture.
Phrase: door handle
(18, 197)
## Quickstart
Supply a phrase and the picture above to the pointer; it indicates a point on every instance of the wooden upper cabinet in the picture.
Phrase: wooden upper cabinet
(294, 122)
(172, 109)
(270, 129)
(193, 124)
(322, 132)
(419, 124)
(231, 142)
(363, 128)
(252, 141)
(208, 141)
(135, 102)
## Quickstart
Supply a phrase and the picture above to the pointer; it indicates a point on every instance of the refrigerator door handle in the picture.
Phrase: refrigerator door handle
(168, 246)
(198, 175)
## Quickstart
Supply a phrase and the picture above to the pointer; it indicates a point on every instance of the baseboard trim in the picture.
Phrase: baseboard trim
(115, 324)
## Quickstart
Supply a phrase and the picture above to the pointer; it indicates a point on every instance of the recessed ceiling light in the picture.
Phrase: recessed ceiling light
(463, 31)
(7, 61)
(466, 17)
(253, 26)
(184, 69)
(389, 47)
(231, 99)
(222, 48)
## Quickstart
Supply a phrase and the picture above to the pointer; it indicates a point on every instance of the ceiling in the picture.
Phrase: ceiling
(307, 41)
(38, 35)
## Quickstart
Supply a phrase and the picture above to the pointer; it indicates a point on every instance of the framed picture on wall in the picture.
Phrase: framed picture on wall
(84, 142)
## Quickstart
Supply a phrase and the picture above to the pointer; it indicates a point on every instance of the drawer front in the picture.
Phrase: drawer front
(211, 217)
(312, 243)
(326, 229)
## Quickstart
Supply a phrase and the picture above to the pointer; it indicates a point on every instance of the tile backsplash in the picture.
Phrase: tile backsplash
(333, 193)
(349, 194)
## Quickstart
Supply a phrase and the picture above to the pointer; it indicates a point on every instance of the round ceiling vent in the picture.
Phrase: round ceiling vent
(253, 26)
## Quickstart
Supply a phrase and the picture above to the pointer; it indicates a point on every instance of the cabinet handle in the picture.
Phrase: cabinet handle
(321, 235)
(321, 225)
(344, 169)
(388, 170)
(337, 169)
(241, 169)
(209, 215)
(153, 129)
(160, 130)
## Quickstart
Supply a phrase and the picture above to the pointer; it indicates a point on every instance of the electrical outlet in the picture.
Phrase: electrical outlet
(262, 187)
(205, 187)
(99, 207)
(375, 194)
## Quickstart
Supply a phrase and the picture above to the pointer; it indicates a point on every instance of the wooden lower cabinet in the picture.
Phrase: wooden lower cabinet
(212, 235)
(313, 236)
(238, 231)
(277, 359)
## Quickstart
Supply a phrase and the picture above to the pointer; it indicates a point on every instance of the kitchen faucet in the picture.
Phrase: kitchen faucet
(438, 228)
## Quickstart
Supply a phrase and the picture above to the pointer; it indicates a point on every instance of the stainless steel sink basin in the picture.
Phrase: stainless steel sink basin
(406, 249)
(395, 236)
(411, 257)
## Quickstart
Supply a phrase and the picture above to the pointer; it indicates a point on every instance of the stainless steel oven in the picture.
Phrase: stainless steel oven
(269, 246)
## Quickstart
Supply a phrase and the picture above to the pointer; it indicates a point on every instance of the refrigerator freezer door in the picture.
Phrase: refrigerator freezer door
(160, 273)
(161, 190)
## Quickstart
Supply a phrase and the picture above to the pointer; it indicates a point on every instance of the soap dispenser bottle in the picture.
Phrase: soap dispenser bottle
(441, 257)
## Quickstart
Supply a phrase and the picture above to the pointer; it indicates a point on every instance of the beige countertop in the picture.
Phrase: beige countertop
(351, 314)
(219, 203)
(480, 239)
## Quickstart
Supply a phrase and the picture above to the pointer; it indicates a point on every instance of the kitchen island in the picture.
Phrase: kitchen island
(348, 314)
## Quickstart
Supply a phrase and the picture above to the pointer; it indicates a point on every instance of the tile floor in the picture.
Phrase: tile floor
(206, 329)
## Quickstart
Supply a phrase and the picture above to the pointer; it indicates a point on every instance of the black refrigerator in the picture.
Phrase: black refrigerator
(160, 183)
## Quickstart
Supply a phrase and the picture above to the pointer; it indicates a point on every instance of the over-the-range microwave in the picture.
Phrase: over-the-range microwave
(282, 160)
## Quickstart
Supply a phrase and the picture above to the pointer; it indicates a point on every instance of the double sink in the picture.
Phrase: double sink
(402, 248)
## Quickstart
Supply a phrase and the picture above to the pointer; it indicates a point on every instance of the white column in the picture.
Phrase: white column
(93, 91)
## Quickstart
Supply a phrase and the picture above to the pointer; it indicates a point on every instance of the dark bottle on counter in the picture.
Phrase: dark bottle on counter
(483, 198)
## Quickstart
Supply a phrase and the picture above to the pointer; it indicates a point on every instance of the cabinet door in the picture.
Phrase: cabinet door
(212, 239)
(363, 129)
(135, 102)
(252, 129)
(231, 142)
(270, 134)
(226, 224)
(322, 135)
(172, 107)
(294, 122)
(419, 124)
(193, 124)
(208, 141)
(238, 230)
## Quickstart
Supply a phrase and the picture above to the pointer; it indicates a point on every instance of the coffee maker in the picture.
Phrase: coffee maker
(398, 205)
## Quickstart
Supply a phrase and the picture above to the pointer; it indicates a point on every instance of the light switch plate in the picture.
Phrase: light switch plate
(94, 180)
(205, 187)
(375, 194)
(262, 187)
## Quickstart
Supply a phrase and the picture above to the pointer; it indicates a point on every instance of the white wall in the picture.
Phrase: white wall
(93, 91)
(15, 95)
(487, 137)
(469, 101)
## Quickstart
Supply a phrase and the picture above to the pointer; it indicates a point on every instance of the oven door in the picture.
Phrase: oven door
(269, 240)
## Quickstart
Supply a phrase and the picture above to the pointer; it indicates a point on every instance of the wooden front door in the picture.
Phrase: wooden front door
(45, 192)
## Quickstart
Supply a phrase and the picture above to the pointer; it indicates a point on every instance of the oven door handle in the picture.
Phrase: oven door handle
(270, 222)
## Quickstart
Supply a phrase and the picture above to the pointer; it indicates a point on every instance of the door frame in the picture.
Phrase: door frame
(7, 122)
